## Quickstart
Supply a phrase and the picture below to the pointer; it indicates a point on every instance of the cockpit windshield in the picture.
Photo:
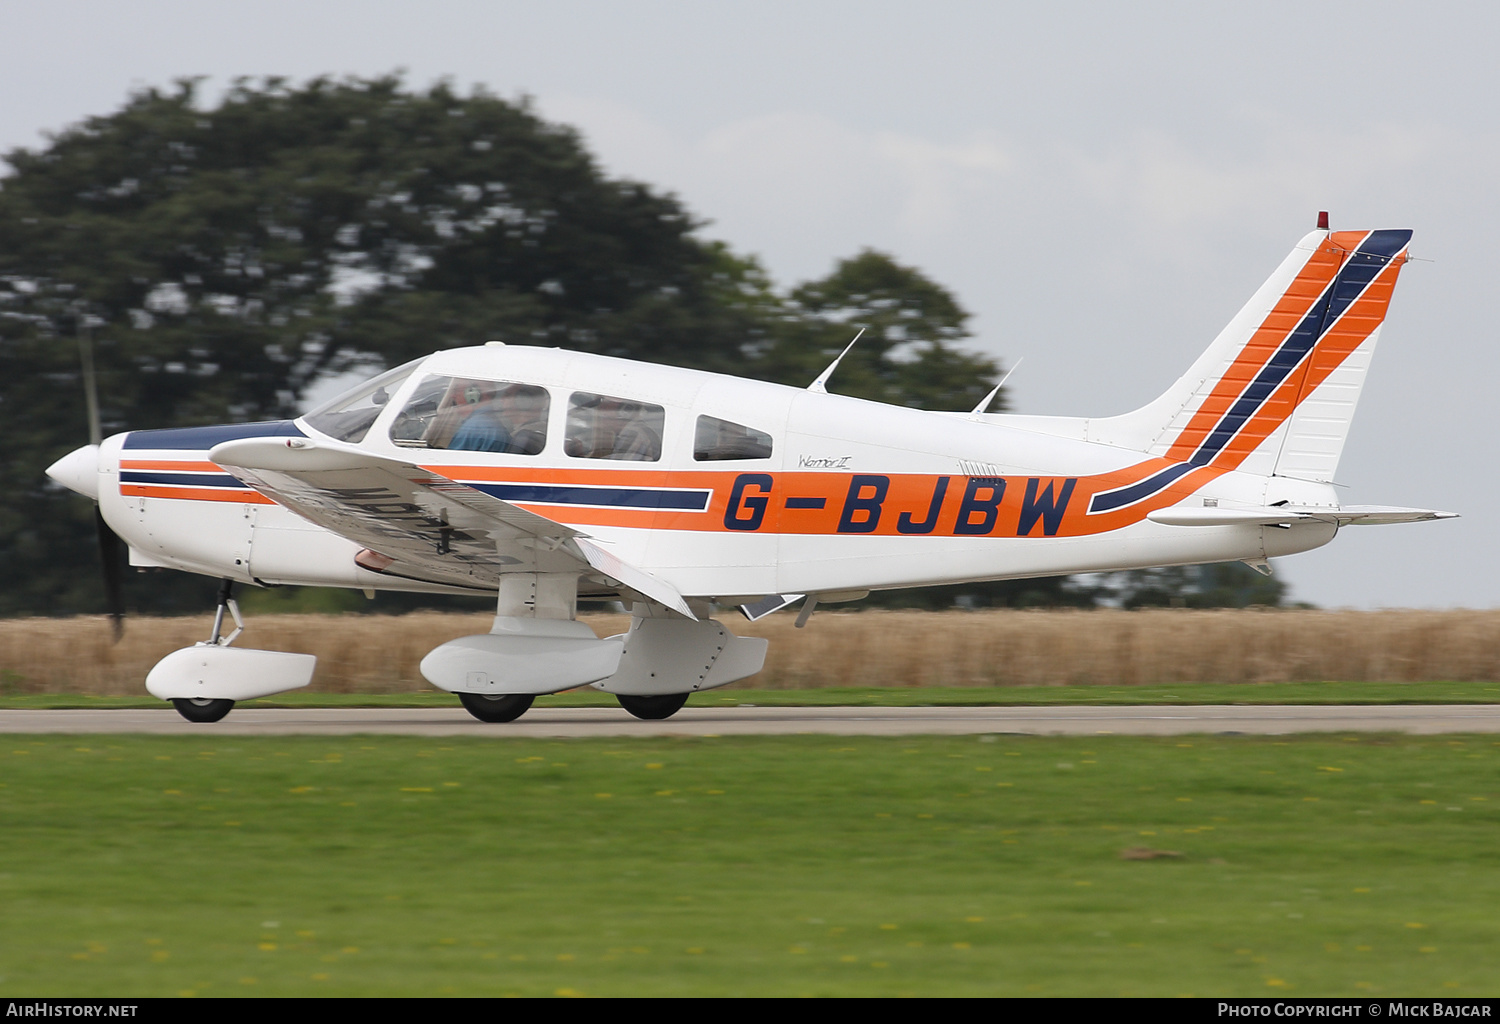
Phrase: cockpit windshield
(348, 417)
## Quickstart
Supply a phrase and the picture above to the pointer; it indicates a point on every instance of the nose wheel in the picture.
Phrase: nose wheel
(202, 709)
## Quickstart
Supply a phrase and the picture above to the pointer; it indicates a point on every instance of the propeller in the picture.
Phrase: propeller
(111, 548)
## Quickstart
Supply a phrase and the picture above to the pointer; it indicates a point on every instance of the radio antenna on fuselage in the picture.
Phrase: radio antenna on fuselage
(982, 406)
(817, 386)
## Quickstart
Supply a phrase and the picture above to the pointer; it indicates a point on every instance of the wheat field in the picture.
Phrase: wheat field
(379, 654)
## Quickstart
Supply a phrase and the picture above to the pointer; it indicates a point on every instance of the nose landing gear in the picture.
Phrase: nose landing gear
(204, 681)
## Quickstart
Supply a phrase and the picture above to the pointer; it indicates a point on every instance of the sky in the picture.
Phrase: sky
(1102, 185)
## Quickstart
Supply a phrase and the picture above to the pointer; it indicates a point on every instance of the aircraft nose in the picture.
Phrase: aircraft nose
(78, 471)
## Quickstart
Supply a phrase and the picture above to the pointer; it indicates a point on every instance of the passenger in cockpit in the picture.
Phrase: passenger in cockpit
(483, 430)
(635, 441)
(523, 410)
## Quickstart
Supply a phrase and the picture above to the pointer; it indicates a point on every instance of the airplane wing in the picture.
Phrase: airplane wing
(421, 524)
(1285, 515)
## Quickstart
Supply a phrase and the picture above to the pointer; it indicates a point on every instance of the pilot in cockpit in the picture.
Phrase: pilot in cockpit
(512, 420)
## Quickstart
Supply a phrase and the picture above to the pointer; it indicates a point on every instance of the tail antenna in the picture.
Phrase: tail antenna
(985, 404)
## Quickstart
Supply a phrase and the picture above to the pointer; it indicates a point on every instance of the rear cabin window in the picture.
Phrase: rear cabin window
(718, 440)
(604, 427)
(463, 414)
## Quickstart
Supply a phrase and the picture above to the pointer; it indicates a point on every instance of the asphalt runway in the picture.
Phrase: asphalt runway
(1157, 720)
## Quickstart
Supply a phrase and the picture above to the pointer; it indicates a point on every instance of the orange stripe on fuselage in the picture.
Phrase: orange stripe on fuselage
(195, 494)
(1035, 501)
(896, 504)
(172, 465)
(1290, 309)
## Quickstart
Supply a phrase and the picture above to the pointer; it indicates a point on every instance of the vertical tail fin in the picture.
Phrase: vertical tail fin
(1276, 390)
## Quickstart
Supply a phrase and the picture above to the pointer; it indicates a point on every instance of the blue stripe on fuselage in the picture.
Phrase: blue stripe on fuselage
(136, 476)
(1108, 501)
(204, 438)
(618, 497)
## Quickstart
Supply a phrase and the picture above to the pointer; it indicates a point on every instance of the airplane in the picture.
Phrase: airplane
(542, 476)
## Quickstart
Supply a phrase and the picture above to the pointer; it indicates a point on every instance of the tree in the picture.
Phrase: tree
(908, 353)
(247, 250)
(1217, 585)
(1036, 592)
(225, 259)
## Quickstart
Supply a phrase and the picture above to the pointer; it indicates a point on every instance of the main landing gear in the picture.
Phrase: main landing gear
(511, 706)
(653, 708)
(536, 645)
(505, 707)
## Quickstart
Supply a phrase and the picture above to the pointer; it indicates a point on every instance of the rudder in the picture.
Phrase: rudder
(1275, 392)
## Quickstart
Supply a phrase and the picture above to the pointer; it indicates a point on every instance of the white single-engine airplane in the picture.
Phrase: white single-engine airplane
(547, 476)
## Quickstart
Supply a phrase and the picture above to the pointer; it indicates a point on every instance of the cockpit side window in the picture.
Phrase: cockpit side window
(603, 427)
(717, 440)
(349, 416)
(464, 414)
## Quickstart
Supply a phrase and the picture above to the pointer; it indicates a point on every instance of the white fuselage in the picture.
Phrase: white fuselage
(853, 495)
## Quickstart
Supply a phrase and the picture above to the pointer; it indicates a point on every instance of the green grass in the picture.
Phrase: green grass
(223, 866)
(1183, 693)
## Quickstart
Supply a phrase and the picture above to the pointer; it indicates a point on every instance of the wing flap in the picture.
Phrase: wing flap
(639, 580)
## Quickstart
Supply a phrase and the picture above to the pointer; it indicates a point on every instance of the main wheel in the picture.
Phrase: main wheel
(501, 707)
(202, 709)
(653, 708)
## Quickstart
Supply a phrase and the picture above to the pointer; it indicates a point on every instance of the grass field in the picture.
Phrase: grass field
(996, 865)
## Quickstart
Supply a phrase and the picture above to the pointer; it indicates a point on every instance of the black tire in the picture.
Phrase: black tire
(502, 707)
(655, 707)
(202, 709)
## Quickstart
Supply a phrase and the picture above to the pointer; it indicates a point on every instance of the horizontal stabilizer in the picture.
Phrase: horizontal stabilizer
(1286, 515)
(1225, 516)
(1380, 515)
